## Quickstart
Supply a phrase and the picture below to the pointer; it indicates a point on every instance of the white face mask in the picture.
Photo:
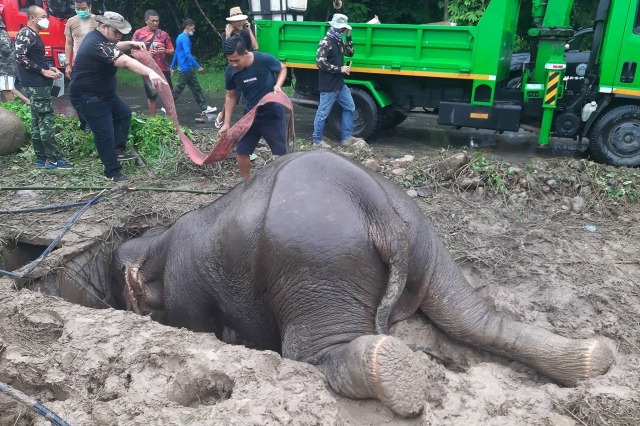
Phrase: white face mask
(190, 33)
(43, 23)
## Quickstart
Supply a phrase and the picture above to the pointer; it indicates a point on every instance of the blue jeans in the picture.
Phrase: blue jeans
(326, 102)
(109, 120)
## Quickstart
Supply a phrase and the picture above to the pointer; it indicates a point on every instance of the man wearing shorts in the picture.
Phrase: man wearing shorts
(160, 46)
(254, 74)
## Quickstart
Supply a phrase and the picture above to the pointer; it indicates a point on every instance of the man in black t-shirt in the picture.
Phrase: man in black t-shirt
(93, 88)
(253, 74)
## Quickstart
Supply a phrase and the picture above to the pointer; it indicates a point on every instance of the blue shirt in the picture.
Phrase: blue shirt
(255, 81)
(183, 57)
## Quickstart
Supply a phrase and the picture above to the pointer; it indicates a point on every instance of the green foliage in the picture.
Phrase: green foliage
(156, 140)
(21, 110)
(73, 142)
(467, 12)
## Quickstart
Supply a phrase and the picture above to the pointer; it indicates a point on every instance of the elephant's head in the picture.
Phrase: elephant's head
(137, 281)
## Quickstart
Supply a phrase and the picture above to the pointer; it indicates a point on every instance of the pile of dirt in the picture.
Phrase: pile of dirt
(555, 243)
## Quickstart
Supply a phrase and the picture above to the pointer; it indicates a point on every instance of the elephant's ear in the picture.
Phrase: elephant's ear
(133, 289)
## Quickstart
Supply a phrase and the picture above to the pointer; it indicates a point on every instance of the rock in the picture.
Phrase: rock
(412, 193)
(453, 163)
(406, 159)
(408, 178)
(13, 132)
(422, 192)
(372, 164)
(480, 191)
(545, 189)
(576, 165)
(578, 204)
(552, 183)
(397, 172)
(361, 144)
(470, 183)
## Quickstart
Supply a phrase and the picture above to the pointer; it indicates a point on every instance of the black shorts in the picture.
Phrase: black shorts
(272, 128)
(151, 93)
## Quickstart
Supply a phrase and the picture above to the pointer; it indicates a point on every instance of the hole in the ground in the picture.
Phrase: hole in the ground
(16, 254)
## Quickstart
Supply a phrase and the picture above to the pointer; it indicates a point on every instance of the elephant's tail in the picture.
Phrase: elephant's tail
(390, 239)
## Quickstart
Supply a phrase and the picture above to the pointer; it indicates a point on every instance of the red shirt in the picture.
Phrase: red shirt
(162, 39)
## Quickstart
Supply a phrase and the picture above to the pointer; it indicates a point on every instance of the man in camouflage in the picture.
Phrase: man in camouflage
(36, 77)
(8, 66)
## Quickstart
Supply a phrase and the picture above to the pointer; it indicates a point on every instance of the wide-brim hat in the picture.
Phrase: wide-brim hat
(235, 14)
(115, 20)
(339, 21)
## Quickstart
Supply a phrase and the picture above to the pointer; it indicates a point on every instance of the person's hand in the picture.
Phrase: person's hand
(50, 74)
(228, 30)
(345, 69)
(277, 89)
(67, 72)
(138, 45)
(223, 130)
(156, 80)
(201, 70)
(160, 49)
(246, 24)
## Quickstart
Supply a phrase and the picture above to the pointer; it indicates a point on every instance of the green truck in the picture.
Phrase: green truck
(461, 74)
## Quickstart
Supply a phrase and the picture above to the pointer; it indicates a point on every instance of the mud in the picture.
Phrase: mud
(574, 270)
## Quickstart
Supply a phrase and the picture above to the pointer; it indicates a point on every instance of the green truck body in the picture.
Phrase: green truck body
(462, 74)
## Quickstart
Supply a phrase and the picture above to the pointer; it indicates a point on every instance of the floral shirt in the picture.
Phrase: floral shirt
(162, 39)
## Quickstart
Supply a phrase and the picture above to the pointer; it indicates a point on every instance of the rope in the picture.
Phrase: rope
(32, 403)
(226, 144)
(51, 246)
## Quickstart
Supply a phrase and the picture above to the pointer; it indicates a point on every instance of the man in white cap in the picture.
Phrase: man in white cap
(238, 25)
(93, 88)
(330, 62)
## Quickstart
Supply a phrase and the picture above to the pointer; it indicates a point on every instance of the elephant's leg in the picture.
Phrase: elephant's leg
(453, 305)
(378, 366)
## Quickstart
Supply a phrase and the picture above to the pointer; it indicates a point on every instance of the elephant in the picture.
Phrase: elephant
(315, 258)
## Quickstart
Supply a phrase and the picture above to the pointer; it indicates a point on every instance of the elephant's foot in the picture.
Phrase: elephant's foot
(564, 360)
(575, 360)
(381, 367)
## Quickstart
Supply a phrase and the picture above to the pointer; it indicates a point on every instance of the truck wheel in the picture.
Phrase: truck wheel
(365, 118)
(391, 118)
(615, 137)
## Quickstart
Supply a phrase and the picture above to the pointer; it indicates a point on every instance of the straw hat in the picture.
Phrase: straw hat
(235, 14)
(115, 20)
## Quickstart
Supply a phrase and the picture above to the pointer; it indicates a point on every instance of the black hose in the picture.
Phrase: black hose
(34, 404)
(51, 246)
(44, 209)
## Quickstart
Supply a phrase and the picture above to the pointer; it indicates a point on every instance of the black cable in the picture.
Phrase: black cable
(34, 404)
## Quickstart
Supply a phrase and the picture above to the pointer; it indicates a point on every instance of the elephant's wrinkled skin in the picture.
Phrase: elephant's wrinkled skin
(315, 257)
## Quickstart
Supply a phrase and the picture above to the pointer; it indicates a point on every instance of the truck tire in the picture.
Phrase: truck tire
(391, 118)
(366, 117)
(615, 137)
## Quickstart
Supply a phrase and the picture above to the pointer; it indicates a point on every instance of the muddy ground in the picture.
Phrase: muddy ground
(544, 241)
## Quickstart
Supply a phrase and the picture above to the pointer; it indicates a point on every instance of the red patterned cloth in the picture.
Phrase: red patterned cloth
(225, 146)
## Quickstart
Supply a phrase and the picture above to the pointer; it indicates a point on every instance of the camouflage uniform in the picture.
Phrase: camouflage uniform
(29, 53)
(43, 124)
(189, 79)
(7, 61)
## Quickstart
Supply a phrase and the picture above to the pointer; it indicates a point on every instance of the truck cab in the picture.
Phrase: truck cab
(14, 15)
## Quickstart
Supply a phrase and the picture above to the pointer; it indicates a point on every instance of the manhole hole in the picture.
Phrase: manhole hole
(16, 254)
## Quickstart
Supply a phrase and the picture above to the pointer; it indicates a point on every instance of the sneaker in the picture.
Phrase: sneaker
(40, 162)
(118, 177)
(125, 157)
(59, 164)
(321, 144)
(209, 110)
(164, 111)
(253, 157)
(350, 141)
(218, 123)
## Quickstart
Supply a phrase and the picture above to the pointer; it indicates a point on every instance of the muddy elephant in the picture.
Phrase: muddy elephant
(315, 258)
